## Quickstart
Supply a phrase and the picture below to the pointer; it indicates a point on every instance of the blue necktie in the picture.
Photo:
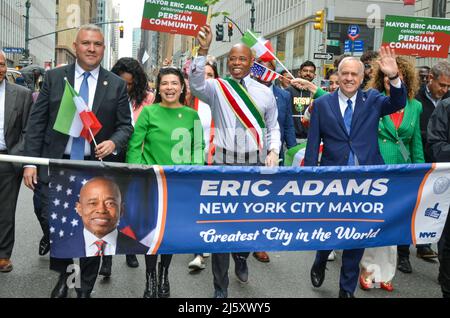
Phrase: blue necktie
(77, 151)
(348, 115)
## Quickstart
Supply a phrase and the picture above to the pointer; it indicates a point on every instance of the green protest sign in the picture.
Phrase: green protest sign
(417, 36)
(184, 17)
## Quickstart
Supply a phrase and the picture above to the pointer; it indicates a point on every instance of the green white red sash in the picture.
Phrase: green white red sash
(243, 107)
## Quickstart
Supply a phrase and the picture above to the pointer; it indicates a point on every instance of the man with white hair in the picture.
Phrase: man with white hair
(351, 139)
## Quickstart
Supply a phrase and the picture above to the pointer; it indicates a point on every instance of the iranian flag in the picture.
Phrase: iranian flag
(74, 117)
(262, 47)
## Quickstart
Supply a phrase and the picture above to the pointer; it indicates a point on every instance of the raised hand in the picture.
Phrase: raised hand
(204, 37)
(387, 62)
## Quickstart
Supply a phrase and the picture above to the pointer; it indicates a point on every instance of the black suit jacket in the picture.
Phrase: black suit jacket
(18, 103)
(75, 246)
(110, 106)
(427, 109)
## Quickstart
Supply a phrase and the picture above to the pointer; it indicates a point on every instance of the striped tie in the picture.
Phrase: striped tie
(100, 247)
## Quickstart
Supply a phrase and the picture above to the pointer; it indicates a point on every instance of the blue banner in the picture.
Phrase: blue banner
(189, 209)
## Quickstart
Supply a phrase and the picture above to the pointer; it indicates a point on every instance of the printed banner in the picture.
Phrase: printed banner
(186, 209)
(417, 36)
(174, 16)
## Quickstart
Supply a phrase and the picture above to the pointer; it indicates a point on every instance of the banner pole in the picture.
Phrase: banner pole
(25, 160)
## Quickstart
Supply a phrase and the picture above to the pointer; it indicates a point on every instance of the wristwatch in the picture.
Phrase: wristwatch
(393, 78)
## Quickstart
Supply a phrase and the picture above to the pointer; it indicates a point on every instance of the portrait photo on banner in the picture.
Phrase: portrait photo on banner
(96, 212)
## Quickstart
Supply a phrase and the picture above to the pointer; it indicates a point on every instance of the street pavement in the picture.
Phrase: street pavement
(286, 276)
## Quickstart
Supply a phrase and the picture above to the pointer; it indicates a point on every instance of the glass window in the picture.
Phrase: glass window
(281, 47)
(439, 8)
(299, 41)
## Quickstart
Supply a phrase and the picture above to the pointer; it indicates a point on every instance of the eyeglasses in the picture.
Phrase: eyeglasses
(367, 66)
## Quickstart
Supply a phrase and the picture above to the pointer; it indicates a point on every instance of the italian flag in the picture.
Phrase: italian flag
(295, 157)
(262, 47)
(74, 117)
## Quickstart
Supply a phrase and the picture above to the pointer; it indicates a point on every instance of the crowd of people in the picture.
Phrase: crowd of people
(384, 111)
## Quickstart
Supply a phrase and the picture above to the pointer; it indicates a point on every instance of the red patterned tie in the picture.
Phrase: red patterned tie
(100, 247)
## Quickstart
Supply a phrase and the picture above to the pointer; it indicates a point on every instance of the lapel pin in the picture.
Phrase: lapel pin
(180, 116)
(105, 83)
(65, 78)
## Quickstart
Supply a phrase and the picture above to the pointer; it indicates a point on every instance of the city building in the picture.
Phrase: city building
(12, 30)
(114, 36)
(71, 14)
(288, 24)
(150, 47)
(136, 42)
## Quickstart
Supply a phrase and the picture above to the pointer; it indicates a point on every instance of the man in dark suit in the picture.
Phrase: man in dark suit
(347, 124)
(104, 93)
(100, 206)
(15, 104)
(439, 141)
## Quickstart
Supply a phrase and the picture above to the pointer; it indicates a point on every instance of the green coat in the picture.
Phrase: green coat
(391, 140)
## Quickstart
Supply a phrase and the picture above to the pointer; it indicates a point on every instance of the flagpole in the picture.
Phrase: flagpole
(95, 142)
(271, 53)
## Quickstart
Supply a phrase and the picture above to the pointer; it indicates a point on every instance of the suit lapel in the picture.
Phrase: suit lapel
(102, 83)
(10, 103)
(358, 108)
(408, 116)
(337, 110)
(70, 75)
(389, 126)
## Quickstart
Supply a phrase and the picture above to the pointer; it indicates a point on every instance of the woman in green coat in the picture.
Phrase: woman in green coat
(166, 133)
(400, 143)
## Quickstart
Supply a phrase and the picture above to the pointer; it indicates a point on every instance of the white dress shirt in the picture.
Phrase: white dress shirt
(343, 99)
(343, 102)
(204, 112)
(2, 115)
(225, 121)
(92, 82)
(90, 239)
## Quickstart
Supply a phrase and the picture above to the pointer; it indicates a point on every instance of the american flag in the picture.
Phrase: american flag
(64, 193)
(263, 73)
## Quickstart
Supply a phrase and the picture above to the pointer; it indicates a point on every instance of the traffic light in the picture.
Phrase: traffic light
(230, 29)
(121, 31)
(320, 20)
(219, 32)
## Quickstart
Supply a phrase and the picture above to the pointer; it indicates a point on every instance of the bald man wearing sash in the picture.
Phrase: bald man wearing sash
(246, 129)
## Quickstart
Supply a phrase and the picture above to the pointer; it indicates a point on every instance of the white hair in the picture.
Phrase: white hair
(3, 53)
(89, 27)
(348, 59)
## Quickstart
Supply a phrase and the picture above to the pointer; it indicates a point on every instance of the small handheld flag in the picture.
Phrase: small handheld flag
(262, 47)
(74, 117)
(263, 73)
